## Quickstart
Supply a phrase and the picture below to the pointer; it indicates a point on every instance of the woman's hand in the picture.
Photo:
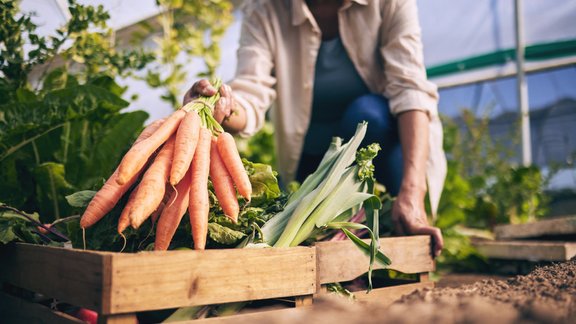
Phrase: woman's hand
(409, 218)
(224, 108)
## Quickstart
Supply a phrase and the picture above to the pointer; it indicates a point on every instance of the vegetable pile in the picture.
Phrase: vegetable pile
(168, 168)
(330, 198)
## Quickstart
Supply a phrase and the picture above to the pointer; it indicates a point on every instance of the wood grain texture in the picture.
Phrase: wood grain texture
(15, 310)
(550, 227)
(118, 319)
(158, 280)
(118, 284)
(527, 250)
(343, 261)
(71, 276)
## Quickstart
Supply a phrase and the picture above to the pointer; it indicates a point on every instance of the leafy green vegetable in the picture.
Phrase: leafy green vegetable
(80, 199)
(264, 183)
(14, 227)
(224, 235)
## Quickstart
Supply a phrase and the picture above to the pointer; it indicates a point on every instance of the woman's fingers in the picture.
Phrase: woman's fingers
(199, 88)
(203, 88)
(225, 106)
(220, 110)
(434, 232)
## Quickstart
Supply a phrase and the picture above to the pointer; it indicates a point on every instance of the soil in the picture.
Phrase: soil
(455, 280)
(546, 295)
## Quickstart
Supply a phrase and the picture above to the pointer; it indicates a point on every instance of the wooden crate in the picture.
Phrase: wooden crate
(533, 251)
(118, 285)
(558, 226)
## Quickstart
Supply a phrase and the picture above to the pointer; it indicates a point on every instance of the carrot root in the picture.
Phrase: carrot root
(184, 146)
(223, 184)
(137, 156)
(199, 205)
(231, 158)
(111, 192)
(172, 214)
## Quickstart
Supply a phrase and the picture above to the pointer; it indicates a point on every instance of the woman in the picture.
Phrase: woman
(327, 65)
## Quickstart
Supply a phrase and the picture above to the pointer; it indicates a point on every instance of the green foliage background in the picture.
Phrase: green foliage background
(65, 131)
(63, 125)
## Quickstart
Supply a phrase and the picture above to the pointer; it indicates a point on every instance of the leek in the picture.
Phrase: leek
(315, 197)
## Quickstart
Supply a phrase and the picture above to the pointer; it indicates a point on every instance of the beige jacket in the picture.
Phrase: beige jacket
(279, 43)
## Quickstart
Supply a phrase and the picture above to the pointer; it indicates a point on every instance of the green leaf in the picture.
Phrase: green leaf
(85, 98)
(17, 227)
(264, 182)
(7, 234)
(80, 199)
(365, 247)
(224, 235)
(56, 79)
(108, 83)
(370, 250)
(15, 186)
(51, 189)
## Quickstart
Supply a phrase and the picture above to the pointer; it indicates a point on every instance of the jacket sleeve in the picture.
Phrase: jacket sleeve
(407, 86)
(253, 84)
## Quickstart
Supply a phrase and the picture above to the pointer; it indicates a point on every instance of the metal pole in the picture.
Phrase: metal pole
(522, 86)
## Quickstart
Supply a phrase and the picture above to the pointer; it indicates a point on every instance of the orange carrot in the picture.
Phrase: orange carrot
(231, 158)
(172, 214)
(165, 201)
(137, 156)
(199, 206)
(185, 145)
(124, 220)
(111, 192)
(223, 184)
(152, 186)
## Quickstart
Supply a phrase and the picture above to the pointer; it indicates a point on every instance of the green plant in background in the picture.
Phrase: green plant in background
(505, 192)
(483, 188)
(259, 147)
(189, 29)
(61, 125)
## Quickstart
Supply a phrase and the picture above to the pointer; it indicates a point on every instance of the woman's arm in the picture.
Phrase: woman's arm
(408, 212)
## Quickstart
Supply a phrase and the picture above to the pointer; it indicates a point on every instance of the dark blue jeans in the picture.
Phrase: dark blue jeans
(382, 129)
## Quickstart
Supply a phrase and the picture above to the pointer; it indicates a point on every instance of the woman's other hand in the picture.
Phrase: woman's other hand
(409, 218)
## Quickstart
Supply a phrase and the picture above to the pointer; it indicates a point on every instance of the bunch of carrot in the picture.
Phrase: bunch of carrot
(170, 163)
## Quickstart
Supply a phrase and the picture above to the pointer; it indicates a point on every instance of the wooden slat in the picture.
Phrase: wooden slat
(118, 319)
(386, 296)
(158, 280)
(527, 250)
(550, 227)
(343, 261)
(303, 301)
(68, 275)
(15, 310)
